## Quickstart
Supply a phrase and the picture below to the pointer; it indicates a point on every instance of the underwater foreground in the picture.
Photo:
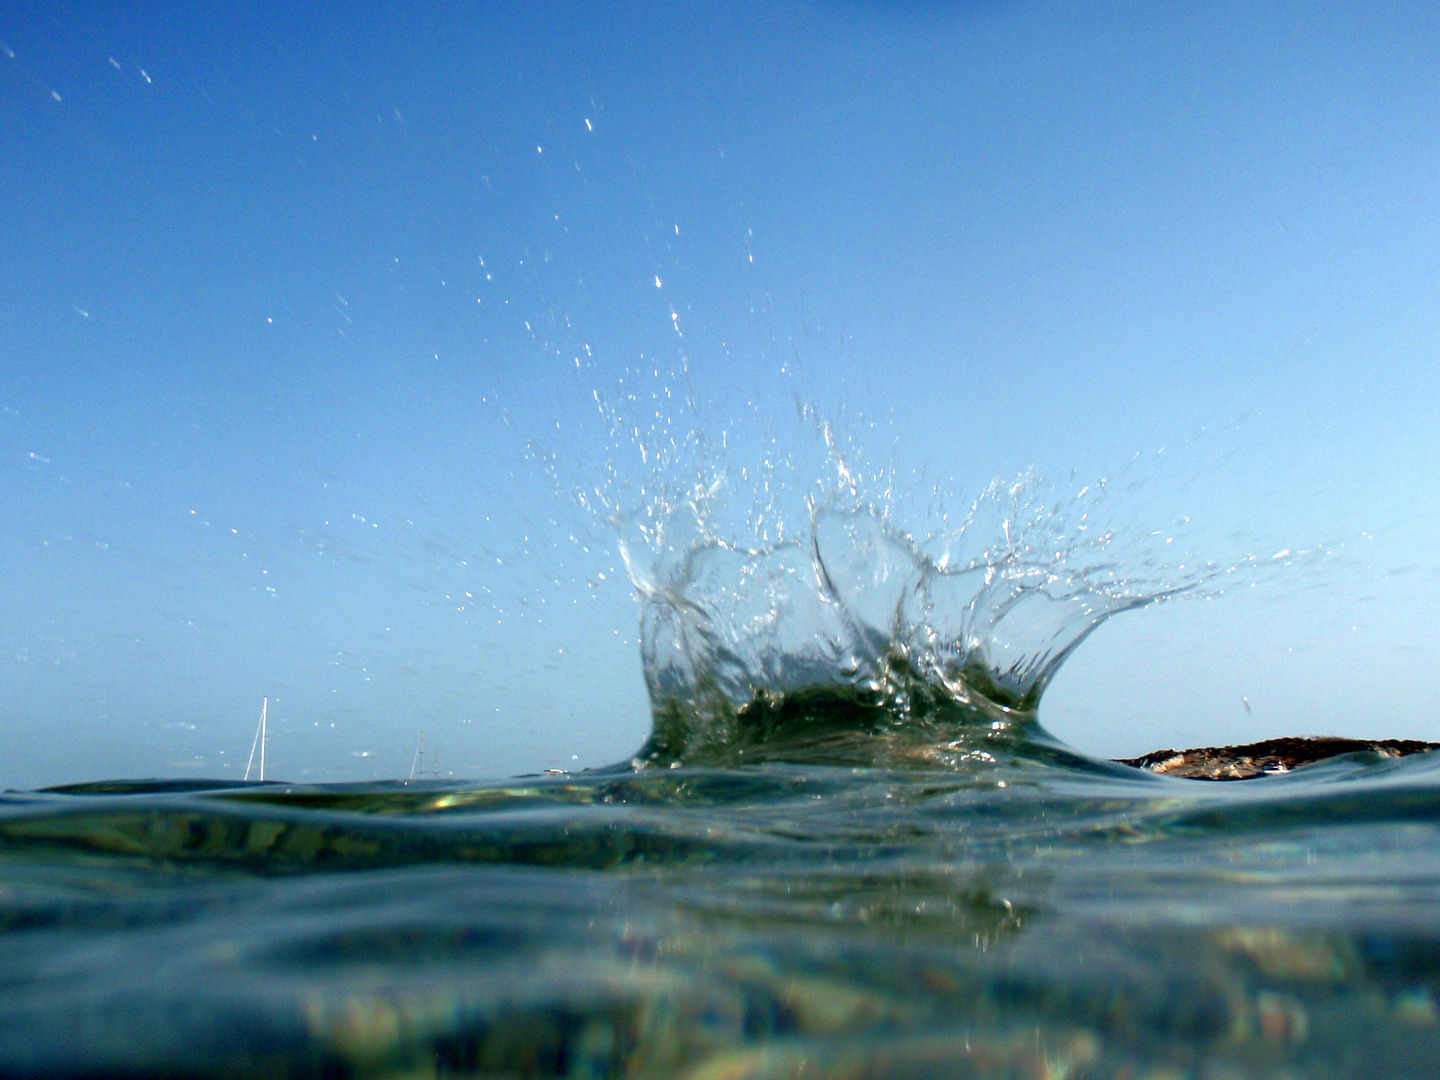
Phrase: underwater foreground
(1015, 911)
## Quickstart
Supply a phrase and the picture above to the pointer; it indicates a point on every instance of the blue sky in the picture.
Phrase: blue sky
(291, 303)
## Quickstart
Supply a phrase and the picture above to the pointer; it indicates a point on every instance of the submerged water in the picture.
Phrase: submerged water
(1032, 915)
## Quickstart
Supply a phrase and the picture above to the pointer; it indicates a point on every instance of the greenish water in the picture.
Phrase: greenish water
(1011, 911)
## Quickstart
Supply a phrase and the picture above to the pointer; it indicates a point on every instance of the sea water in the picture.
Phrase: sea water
(848, 849)
(1019, 911)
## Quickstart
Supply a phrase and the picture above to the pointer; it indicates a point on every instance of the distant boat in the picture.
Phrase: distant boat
(417, 763)
(259, 741)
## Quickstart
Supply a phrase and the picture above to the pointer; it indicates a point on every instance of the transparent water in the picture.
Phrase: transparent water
(1033, 915)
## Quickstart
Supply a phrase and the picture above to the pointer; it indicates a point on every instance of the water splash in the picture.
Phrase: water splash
(857, 629)
(798, 601)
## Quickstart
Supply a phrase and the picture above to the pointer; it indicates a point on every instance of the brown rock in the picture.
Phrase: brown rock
(1263, 758)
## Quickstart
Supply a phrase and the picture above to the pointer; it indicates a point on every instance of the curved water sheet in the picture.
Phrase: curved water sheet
(800, 601)
(855, 638)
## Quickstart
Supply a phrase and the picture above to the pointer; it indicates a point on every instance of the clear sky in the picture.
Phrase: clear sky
(303, 311)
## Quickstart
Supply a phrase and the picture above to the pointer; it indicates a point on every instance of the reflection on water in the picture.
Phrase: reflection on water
(1032, 915)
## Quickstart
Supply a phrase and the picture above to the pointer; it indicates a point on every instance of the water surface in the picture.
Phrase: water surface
(848, 849)
(1033, 915)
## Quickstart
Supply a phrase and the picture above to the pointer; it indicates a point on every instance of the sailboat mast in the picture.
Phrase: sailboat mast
(259, 741)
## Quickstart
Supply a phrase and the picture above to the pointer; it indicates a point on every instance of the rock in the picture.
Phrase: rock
(1263, 758)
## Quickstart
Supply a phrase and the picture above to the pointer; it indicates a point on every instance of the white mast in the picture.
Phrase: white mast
(259, 741)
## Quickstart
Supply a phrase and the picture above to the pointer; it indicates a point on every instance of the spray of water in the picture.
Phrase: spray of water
(795, 594)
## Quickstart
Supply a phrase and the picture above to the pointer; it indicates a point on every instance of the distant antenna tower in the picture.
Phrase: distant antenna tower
(259, 741)
(419, 760)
